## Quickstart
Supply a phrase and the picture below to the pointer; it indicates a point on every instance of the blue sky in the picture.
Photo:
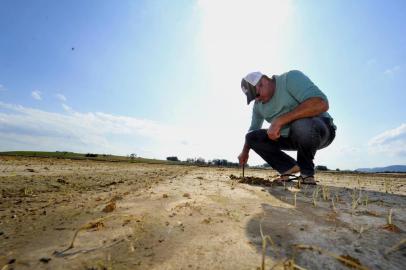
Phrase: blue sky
(161, 78)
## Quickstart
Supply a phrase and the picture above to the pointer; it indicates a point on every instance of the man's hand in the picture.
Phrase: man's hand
(309, 108)
(274, 130)
(243, 158)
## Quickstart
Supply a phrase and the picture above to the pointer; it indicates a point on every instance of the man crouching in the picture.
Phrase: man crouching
(297, 111)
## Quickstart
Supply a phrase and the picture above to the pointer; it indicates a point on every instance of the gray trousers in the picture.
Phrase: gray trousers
(306, 136)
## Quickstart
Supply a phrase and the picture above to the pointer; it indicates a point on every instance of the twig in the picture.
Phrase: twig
(396, 247)
(63, 254)
(335, 256)
(288, 264)
(295, 198)
(264, 239)
(332, 202)
(390, 217)
(84, 227)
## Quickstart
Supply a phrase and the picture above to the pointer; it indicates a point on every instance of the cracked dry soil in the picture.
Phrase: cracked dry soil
(70, 214)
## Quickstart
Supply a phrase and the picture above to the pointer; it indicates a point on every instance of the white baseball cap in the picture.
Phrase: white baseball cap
(248, 84)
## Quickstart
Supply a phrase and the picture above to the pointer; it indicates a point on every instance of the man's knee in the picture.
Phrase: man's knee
(255, 136)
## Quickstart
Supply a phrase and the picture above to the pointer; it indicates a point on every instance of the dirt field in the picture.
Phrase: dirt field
(67, 214)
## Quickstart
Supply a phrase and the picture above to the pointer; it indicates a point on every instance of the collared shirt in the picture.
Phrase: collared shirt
(292, 88)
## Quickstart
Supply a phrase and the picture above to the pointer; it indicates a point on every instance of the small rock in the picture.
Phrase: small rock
(187, 195)
(61, 181)
(207, 220)
(164, 195)
(110, 207)
(45, 260)
(11, 261)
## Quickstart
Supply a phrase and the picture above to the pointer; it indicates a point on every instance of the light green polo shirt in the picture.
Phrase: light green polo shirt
(292, 88)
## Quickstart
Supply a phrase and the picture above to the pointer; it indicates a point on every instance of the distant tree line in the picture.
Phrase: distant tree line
(321, 168)
(202, 161)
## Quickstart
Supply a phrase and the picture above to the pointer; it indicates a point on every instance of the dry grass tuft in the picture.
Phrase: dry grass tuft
(325, 192)
(315, 196)
(344, 259)
(390, 226)
(333, 205)
(396, 247)
(97, 225)
(266, 238)
(288, 264)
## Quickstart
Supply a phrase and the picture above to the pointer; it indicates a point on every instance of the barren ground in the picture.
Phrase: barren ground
(144, 216)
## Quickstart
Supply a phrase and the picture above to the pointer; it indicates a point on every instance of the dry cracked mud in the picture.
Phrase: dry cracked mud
(70, 214)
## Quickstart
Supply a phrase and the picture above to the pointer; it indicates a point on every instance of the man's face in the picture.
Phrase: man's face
(265, 90)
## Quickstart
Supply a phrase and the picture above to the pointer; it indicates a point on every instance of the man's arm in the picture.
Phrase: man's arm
(243, 157)
(309, 108)
(256, 123)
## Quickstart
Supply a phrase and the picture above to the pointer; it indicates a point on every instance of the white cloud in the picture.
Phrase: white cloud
(23, 128)
(392, 71)
(348, 150)
(36, 94)
(66, 107)
(60, 97)
(391, 142)
(2, 88)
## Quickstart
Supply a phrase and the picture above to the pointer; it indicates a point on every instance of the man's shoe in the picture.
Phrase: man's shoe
(307, 180)
(284, 178)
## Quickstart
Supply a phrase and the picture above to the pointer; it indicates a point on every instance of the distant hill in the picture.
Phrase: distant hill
(88, 156)
(392, 168)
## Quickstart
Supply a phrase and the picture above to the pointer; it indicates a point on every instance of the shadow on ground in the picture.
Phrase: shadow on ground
(345, 222)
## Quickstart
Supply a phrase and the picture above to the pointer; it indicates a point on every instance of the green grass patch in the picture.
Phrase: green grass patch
(88, 156)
